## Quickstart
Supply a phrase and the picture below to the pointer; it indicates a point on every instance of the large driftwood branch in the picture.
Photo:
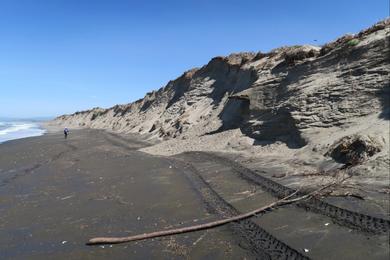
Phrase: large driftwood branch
(284, 201)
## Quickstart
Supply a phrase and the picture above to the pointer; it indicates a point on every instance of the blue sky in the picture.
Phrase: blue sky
(60, 56)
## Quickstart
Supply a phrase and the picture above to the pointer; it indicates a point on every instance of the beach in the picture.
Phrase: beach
(194, 130)
(56, 194)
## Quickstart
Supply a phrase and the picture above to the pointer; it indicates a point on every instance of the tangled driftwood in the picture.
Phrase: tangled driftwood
(284, 201)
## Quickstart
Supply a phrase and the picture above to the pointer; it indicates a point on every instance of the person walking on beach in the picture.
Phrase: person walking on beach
(66, 132)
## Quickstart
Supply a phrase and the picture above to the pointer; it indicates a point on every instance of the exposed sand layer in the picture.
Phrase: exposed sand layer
(56, 194)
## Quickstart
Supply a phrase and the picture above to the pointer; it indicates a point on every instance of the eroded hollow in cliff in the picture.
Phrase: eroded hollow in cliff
(234, 114)
(265, 126)
(269, 126)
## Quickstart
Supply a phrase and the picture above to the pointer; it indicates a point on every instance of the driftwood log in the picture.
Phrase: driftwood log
(284, 201)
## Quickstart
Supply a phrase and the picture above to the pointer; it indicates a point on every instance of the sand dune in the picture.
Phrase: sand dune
(305, 109)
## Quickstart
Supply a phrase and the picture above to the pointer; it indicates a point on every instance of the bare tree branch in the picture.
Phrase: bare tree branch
(284, 201)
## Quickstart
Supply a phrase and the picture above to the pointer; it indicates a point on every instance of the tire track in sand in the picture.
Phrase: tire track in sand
(261, 243)
(341, 216)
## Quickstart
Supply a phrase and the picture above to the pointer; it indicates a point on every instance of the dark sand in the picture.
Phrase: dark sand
(55, 194)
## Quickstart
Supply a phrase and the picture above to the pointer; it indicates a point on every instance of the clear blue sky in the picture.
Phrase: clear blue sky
(60, 56)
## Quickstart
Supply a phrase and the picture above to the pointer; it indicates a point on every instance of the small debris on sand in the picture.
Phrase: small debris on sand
(67, 197)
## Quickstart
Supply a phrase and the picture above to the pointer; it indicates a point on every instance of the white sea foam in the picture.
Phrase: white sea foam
(16, 127)
(16, 130)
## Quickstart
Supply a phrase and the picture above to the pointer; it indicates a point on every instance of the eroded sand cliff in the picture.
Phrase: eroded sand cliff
(303, 111)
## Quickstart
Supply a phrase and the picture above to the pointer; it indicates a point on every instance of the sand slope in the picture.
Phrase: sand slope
(305, 110)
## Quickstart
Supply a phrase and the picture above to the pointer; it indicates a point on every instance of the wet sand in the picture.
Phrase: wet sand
(55, 194)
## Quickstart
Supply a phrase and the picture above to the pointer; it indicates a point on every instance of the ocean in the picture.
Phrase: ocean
(10, 130)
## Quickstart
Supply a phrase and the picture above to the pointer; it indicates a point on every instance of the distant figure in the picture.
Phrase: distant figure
(66, 132)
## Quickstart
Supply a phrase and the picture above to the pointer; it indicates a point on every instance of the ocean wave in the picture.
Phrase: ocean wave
(17, 130)
(17, 127)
